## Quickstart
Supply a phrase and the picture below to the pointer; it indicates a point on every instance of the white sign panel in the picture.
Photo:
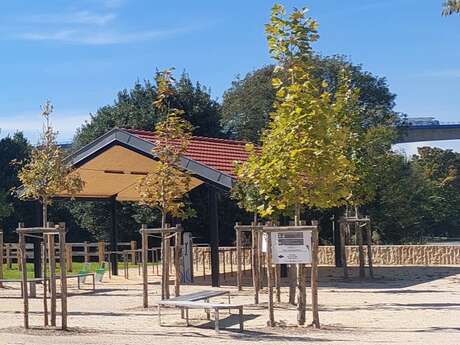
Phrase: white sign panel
(291, 247)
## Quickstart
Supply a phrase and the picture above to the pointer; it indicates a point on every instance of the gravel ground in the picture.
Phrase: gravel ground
(416, 305)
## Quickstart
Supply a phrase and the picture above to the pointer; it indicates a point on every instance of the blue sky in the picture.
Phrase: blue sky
(80, 53)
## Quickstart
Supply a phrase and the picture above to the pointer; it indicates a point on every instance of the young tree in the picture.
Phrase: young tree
(306, 158)
(165, 188)
(46, 174)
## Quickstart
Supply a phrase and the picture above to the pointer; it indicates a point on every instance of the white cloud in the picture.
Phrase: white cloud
(66, 123)
(89, 37)
(439, 74)
(77, 17)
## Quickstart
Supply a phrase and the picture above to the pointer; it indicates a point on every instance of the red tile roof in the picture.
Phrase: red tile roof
(219, 154)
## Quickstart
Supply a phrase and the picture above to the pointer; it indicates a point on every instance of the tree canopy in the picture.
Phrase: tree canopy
(133, 109)
(304, 159)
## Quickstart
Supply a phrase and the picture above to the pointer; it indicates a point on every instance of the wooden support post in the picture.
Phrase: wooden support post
(25, 293)
(52, 266)
(18, 257)
(203, 259)
(214, 236)
(145, 283)
(133, 251)
(369, 250)
(359, 237)
(167, 263)
(314, 277)
(86, 251)
(271, 313)
(238, 258)
(45, 279)
(63, 277)
(278, 283)
(255, 264)
(343, 251)
(177, 256)
(68, 253)
(9, 264)
(125, 264)
(114, 237)
(292, 283)
(101, 251)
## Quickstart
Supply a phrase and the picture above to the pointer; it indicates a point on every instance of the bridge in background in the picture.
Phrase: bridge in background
(431, 132)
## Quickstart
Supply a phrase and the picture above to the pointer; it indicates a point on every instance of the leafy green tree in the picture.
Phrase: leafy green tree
(400, 208)
(451, 7)
(441, 170)
(304, 155)
(133, 109)
(305, 158)
(12, 148)
(248, 103)
(46, 174)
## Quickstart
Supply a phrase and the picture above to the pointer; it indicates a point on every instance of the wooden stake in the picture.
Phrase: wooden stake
(369, 250)
(292, 274)
(45, 281)
(255, 265)
(68, 253)
(101, 251)
(238, 259)
(63, 278)
(145, 283)
(359, 237)
(25, 292)
(177, 255)
(301, 294)
(271, 313)
(314, 278)
(52, 266)
(278, 283)
(343, 247)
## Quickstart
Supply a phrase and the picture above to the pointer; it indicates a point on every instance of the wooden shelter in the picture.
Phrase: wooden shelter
(112, 165)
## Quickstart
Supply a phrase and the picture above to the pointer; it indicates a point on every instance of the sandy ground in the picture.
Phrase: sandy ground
(404, 305)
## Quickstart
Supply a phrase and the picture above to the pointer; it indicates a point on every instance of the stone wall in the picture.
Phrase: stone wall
(382, 255)
(397, 255)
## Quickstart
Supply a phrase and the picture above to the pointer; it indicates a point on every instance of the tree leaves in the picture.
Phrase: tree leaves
(47, 174)
(166, 186)
(304, 159)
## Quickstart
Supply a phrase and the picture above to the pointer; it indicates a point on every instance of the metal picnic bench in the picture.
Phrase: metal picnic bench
(192, 301)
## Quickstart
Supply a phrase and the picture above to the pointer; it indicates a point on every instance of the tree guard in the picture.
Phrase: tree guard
(255, 231)
(165, 234)
(359, 225)
(48, 233)
(301, 307)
